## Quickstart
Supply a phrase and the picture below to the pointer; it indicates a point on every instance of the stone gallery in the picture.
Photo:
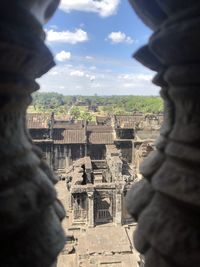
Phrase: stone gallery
(165, 203)
(96, 164)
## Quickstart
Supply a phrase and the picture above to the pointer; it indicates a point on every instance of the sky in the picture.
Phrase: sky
(93, 42)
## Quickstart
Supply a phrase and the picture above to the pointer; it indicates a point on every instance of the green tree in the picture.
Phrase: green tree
(75, 112)
(86, 116)
(109, 104)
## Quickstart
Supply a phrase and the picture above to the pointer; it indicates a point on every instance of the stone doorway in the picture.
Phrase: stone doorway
(103, 209)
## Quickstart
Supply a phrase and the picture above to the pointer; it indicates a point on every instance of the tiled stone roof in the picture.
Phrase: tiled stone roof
(38, 120)
(67, 126)
(62, 117)
(101, 138)
(69, 137)
(121, 119)
(99, 128)
(102, 119)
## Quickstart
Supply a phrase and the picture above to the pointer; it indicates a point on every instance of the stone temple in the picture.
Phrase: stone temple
(64, 140)
(166, 203)
(96, 163)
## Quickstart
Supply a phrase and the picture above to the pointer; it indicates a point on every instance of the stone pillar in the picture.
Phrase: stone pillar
(56, 155)
(51, 155)
(118, 213)
(70, 201)
(133, 152)
(91, 209)
(30, 229)
(67, 160)
(89, 175)
(86, 150)
(70, 154)
(167, 203)
(81, 151)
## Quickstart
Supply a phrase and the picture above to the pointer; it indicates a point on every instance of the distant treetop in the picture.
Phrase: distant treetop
(110, 105)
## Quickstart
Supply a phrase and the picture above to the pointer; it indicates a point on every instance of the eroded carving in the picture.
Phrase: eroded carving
(30, 229)
(167, 229)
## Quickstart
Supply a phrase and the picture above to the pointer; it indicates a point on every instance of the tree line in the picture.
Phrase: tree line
(112, 105)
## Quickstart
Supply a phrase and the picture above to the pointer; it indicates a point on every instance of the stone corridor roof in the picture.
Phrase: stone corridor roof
(103, 119)
(69, 137)
(38, 120)
(62, 131)
(101, 138)
(67, 126)
(128, 119)
(99, 128)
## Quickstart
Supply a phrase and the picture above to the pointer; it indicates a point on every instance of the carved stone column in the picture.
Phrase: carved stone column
(166, 203)
(30, 229)
(91, 209)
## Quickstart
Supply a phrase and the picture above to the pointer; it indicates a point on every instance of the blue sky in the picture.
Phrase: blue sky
(93, 43)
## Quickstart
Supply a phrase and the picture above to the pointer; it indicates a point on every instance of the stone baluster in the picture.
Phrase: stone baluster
(166, 203)
(30, 228)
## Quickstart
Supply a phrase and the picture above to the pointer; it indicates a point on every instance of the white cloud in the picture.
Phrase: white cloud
(53, 73)
(63, 56)
(77, 73)
(93, 68)
(77, 36)
(75, 80)
(89, 58)
(55, 27)
(136, 80)
(96, 85)
(127, 85)
(119, 37)
(91, 77)
(136, 77)
(81, 73)
(104, 8)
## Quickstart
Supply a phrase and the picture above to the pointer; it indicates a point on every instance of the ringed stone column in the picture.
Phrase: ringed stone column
(30, 228)
(166, 203)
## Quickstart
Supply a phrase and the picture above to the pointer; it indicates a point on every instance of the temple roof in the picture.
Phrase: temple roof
(99, 128)
(102, 119)
(62, 117)
(69, 137)
(67, 125)
(121, 119)
(101, 138)
(38, 120)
